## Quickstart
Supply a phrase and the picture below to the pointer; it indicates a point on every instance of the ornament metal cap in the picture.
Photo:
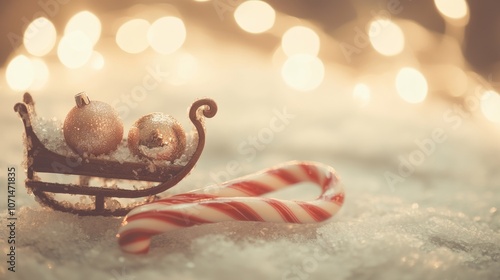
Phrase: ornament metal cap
(81, 99)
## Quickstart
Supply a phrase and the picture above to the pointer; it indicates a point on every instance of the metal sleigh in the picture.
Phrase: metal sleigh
(40, 159)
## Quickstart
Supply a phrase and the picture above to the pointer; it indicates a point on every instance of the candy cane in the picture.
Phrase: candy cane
(238, 200)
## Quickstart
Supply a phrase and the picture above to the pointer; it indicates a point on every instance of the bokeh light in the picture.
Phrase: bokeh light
(132, 36)
(386, 37)
(300, 40)
(41, 74)
(86, 22)
(411, 85)
(20, 73)
(490, 106)
(361, 94)
(96, 60)
(255, 16)
(167, 34)
(40, 36)
(454, 9)
(303, 72)
(74, 49)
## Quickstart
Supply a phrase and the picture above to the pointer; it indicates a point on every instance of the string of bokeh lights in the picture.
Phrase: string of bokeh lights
(302, 69)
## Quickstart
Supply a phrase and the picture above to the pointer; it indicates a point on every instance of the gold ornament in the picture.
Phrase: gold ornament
(92, 127)
(157, 136)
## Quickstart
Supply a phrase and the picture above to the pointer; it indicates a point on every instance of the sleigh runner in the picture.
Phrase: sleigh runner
(41, 159)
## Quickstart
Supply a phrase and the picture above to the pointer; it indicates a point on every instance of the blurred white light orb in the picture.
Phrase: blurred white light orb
(386, 37)
(361, 94)
(40, 36)
(454, 9)
(132, 36)
(96, 60)
(255, 16)
(74, 49)
(300, 40)
(41, 74)
(86, 22)
(20, 73)
(411, 85)
(167, 34)
(303, 72)
(490, 106)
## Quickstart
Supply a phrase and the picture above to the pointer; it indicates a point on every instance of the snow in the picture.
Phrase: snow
(439, 221)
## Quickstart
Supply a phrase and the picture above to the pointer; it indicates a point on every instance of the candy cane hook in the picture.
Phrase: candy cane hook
(238, 200)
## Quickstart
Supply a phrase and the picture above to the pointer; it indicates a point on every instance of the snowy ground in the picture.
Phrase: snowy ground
(438, 218)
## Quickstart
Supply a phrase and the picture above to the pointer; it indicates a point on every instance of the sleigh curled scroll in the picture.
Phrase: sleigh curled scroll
(164, 176)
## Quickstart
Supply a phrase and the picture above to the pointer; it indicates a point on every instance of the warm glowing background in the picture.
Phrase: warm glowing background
(422, 60)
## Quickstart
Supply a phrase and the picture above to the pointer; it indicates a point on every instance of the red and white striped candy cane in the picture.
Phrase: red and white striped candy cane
(238, 200)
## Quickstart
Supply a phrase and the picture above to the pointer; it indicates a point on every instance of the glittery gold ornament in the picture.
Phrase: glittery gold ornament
(92, 127)
(157, 136)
